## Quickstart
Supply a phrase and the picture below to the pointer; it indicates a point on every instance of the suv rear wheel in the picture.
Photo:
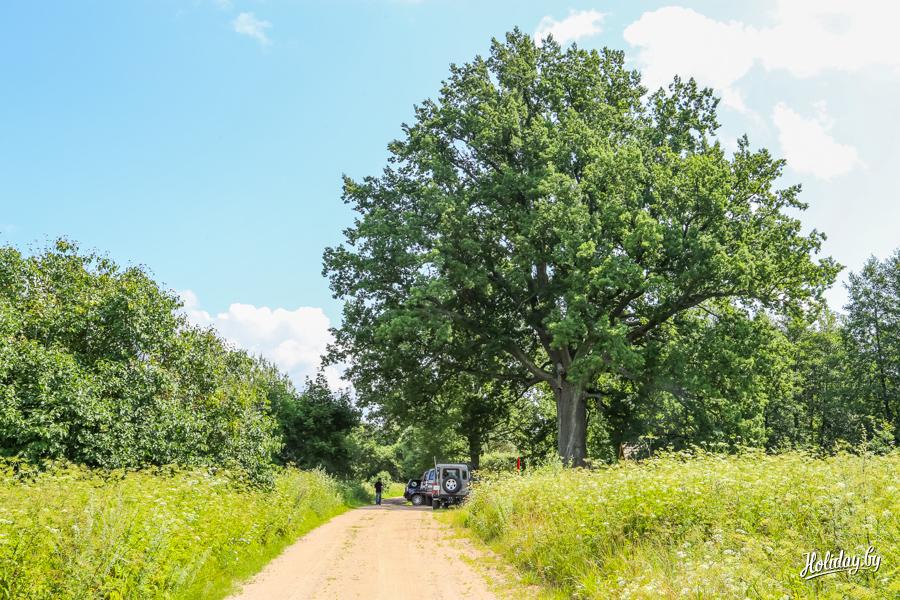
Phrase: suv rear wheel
(451, 485)
(435, 503)
(417, 500)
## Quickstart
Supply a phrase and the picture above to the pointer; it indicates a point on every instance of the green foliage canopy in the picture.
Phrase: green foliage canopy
(872, 340)
(314, 423)
(98, 366)
(544, 221)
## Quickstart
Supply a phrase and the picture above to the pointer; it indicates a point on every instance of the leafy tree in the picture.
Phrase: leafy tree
(98, 366)
(478, 414)
(418, 446)
(314, 424)
(456, 407)
(822, 409)
(730, 365)
(872, 336)
(373, 450)
(543, 222)
(531, 427)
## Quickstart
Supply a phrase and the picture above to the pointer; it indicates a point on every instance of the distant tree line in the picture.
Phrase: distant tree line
(826, 383)
(98, 366)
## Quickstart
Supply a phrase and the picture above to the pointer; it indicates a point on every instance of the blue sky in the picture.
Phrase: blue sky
(206, 139)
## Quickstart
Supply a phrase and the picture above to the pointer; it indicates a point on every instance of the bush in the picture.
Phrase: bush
(71, 532)
(356, 493)
(98, 366)
(498, 462)
(385, 478)
(703, 526)
(314, 424)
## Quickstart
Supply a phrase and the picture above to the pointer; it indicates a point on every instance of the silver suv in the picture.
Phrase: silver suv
(450, 485)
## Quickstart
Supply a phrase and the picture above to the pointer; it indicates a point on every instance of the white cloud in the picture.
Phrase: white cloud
(247, 24)
(811, 36)
(294, 340)
(574, 27)
(808, 145)
(192, 309)
(681, 41)
(806, 38)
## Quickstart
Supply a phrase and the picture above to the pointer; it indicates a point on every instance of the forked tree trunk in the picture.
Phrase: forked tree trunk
(571, 419)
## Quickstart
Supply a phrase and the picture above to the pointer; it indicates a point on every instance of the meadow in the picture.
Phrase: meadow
(73, 532)
(696, 526)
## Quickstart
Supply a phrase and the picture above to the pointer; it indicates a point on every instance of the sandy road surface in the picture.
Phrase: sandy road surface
(389, 552)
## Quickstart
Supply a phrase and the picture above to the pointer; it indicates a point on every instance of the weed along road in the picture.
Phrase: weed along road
(389, 552)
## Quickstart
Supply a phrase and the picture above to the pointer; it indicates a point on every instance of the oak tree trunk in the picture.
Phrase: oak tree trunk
(474, 439)
(571, 419)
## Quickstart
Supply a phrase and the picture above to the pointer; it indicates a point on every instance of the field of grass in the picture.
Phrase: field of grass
(75, 533)
(702, 526)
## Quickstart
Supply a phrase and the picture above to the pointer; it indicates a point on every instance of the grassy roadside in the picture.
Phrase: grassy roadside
(695, 527)
(502, 578)
(394, 490)
(75, 533)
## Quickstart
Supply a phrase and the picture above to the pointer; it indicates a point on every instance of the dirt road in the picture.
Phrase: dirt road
(389, 552)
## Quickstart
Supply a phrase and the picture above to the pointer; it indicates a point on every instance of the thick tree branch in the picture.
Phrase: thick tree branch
(529, 364)
(683, 303)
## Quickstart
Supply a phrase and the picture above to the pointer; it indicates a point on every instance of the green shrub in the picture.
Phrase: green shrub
(394, 489)
(498, 462)
(70, 532)
(313, 423)
(703, 526)
(98, 366)
(356, 493)
(384, 476)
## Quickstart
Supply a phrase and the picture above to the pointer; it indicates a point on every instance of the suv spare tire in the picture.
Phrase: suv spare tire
(451, 485)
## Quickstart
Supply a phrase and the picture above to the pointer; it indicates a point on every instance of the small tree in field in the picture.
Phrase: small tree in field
(543, 220)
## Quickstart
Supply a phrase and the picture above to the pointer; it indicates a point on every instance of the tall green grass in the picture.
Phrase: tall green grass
(70, 532)
(703, 526)
(394, 489)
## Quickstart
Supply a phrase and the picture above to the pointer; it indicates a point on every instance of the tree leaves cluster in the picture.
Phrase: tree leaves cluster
(98, 366)
(314, 424)
(822, 385)
(546, 222)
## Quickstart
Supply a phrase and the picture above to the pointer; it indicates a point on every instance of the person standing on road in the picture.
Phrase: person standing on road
(378, 487)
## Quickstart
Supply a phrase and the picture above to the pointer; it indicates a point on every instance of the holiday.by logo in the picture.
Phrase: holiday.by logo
(840, 562)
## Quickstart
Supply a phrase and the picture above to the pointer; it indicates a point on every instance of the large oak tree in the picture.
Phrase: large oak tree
(545, 218)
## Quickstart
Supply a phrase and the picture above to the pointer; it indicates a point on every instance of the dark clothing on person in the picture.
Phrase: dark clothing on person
(378, 487)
